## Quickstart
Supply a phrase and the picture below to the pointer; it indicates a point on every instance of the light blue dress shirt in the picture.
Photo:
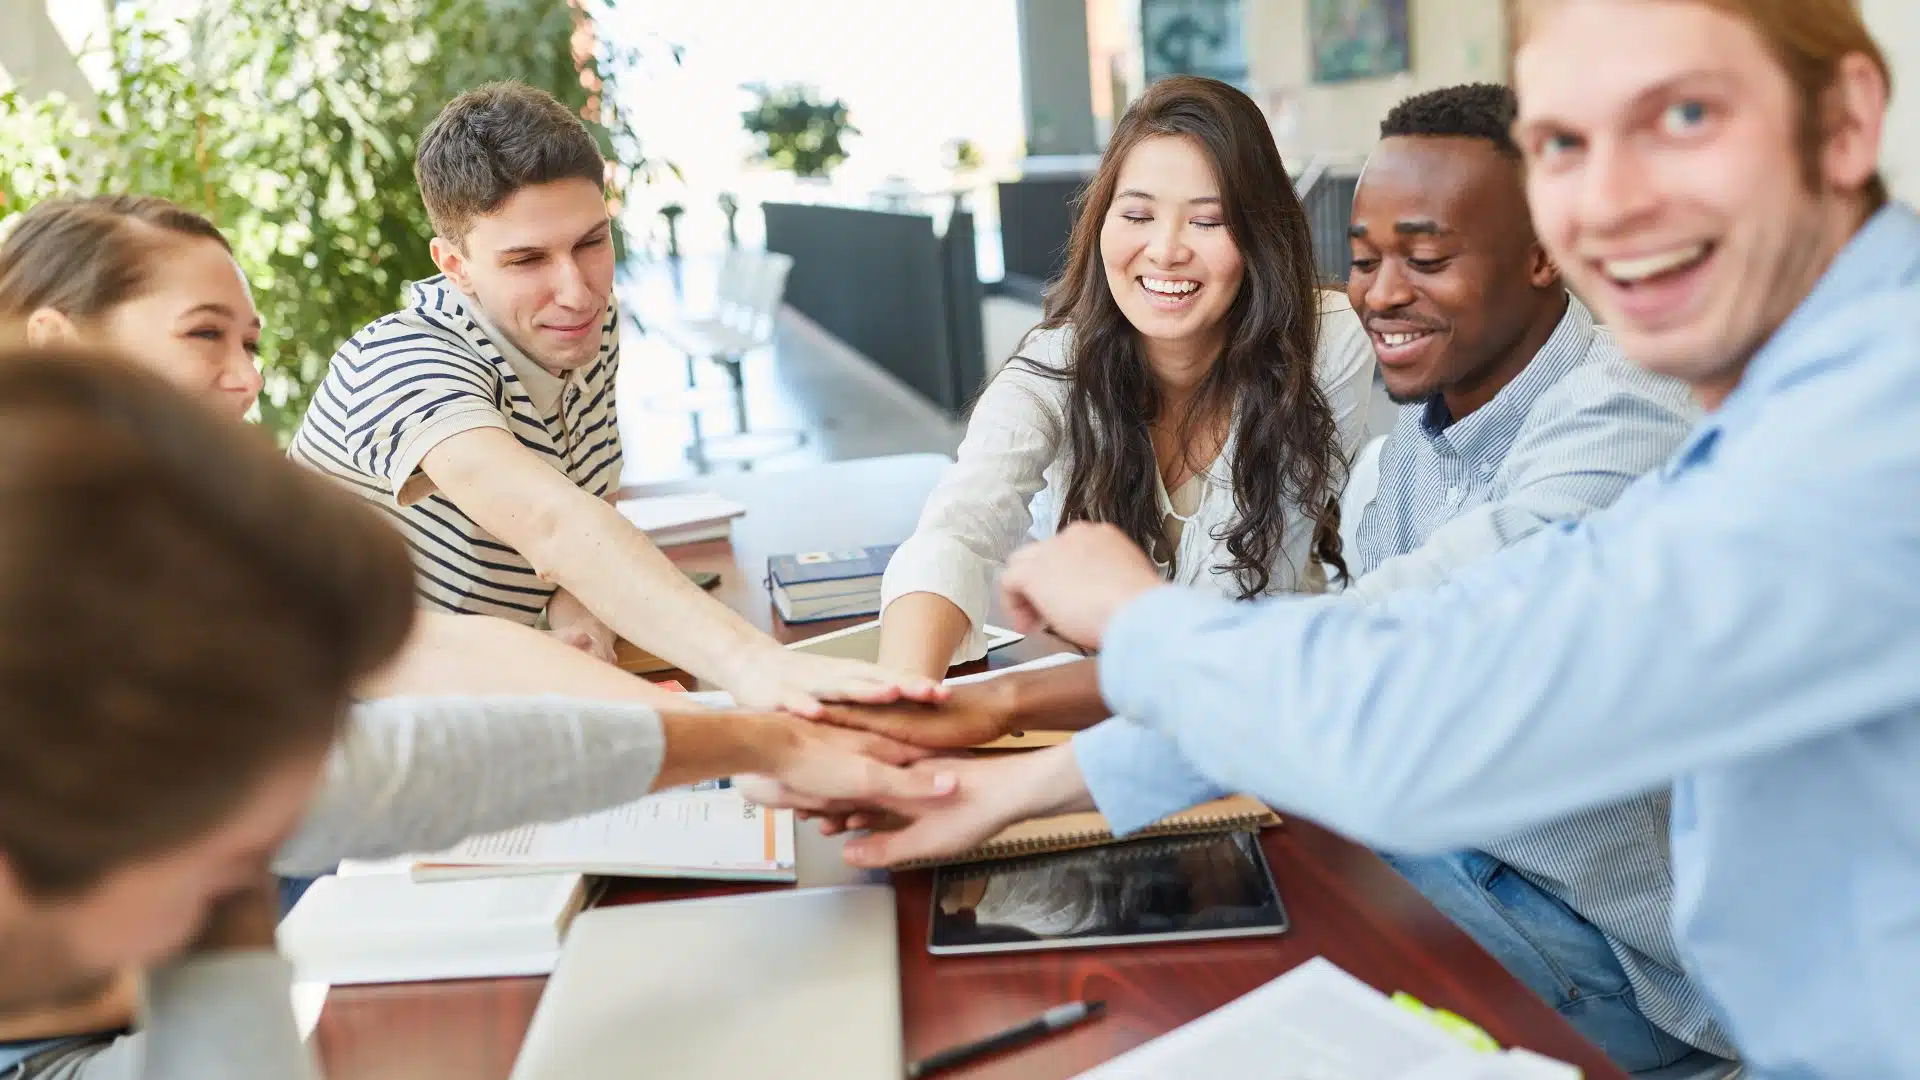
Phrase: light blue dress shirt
(1744, 623)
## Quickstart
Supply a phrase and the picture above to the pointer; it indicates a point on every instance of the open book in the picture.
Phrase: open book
(706, 833)
(384, 928)
(1317, 1022)
(1066, 832)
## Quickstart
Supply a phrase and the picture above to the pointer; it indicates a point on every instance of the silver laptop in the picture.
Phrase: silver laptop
(799, 983)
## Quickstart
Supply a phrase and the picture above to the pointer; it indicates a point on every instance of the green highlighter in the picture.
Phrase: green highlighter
(1452, 1023)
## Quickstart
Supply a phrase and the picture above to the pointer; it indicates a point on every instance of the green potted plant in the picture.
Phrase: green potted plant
(796, 131)
(963, 159)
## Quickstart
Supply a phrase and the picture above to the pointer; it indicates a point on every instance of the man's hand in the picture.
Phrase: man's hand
(595, 640)
(990, 794)
(1073, 584)
(799, 682)
(971, 715)
(811, 766)
(244, 919)
(570, 622)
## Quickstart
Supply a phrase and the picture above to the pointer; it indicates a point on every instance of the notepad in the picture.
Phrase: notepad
(1317, 1022)
(708, 834)
(1066, 832)
(386, 928)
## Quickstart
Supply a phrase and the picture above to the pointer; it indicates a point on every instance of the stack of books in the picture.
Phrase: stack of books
(819, 585)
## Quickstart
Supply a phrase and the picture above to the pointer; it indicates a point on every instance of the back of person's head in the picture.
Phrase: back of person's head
(1808, 39)
(491, 142)
(183, 616)
(1287, 448)
(83, 257)
(1468, 111)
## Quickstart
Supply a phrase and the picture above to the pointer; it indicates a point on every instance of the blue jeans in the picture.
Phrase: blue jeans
(291, 890)
(1547, 945)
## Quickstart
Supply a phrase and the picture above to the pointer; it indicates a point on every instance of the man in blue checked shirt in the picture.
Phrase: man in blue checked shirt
(1518, 413)
(1744, 623)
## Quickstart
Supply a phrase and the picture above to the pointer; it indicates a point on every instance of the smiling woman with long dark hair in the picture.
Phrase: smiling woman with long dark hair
(1190, 383)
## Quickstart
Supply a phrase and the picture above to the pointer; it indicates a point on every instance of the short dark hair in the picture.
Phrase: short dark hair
(1472, 110)
(492, 141)
(182, 611)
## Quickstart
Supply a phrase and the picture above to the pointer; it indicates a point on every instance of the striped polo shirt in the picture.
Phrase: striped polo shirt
(420, 376)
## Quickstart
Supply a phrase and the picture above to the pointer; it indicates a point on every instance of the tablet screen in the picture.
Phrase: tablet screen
(1174, 888)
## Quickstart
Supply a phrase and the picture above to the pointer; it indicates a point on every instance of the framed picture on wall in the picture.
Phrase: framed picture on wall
(1194, 37)
(1358, 39)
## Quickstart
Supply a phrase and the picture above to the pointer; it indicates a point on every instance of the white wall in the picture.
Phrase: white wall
(1896, 25)
(1452, 41)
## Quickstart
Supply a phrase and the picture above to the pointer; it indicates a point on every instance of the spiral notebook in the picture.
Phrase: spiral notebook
(1066, 832)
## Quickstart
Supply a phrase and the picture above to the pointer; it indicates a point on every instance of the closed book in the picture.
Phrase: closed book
(386, 928)
(1068, 832)
(817, 585)
(682, 519)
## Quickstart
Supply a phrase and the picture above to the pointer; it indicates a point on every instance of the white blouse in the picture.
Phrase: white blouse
(1012, 470)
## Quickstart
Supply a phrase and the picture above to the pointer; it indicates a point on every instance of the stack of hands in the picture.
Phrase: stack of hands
(884, 755)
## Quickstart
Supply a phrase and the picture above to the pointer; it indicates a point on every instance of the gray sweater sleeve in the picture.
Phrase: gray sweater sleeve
(214, 1016)
(424, 773)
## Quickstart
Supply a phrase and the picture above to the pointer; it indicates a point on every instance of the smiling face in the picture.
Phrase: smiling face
(1171, 263)
(192, 322)
(1669, 182)
(1446, 275)
(196, 325)
(541, 268)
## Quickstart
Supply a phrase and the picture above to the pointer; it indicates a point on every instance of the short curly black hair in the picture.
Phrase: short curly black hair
(1471, 110)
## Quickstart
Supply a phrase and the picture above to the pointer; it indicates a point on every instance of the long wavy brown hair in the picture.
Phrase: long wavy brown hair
(1287, 444)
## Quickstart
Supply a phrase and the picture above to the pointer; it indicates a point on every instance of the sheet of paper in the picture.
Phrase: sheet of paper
(712, 829)
(309, 999)
(1054, 660)
(1316, 1022)
(1513, 1064)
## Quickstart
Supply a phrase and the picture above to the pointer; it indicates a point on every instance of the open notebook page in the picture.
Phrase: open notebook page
(1317, 1022)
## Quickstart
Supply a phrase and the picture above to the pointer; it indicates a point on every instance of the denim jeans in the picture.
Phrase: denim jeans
(291, 890)
(1545, 944)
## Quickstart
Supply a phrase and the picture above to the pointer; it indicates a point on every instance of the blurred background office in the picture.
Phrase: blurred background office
(839, 217)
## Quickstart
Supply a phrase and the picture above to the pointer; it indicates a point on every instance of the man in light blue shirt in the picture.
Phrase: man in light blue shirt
(1744, 623)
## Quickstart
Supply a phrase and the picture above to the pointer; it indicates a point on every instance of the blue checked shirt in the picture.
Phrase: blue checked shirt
(1743, 624)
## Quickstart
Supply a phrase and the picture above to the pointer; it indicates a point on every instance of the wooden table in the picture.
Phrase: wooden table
(1344, 902)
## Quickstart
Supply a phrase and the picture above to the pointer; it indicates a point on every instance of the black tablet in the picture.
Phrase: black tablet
(1171, 888)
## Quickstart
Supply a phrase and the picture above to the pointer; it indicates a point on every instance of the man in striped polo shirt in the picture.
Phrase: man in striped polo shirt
(481, 417)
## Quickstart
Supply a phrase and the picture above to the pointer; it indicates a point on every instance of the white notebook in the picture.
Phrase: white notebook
(385, 928)
(705, 833)
(799, 984)
(1317, 1022)
(682, 519)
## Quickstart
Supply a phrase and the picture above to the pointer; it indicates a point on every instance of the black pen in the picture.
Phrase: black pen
(1058, 1018)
